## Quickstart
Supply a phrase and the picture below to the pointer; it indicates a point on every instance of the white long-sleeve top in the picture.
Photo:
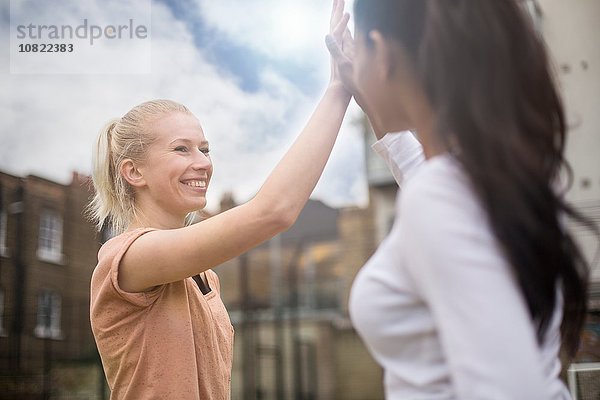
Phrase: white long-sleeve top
(437, 304)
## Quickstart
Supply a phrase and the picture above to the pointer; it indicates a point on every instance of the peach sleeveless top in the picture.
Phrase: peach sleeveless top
(172, 342)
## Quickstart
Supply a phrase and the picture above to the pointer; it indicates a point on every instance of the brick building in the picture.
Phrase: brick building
(47, 254)
(288, 302)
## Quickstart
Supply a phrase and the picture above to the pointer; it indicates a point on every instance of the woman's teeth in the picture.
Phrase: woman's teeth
(199, 184)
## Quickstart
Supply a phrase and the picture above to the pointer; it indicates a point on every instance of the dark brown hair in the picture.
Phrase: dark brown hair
(485, 71)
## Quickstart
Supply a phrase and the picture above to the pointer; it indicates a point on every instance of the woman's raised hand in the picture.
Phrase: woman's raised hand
(341, 47)
(338, 26)
(340, 44)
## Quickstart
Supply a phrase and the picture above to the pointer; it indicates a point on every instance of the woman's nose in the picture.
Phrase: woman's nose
(201, 160)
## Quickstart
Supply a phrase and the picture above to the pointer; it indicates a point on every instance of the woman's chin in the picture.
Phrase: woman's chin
(200, 204)
(192, 207)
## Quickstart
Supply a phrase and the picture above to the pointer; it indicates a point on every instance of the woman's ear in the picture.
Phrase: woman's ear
(382, 55)
(389, 57)
(131, 173)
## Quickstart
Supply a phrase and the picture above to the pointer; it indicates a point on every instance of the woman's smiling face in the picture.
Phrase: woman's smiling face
(177, 168)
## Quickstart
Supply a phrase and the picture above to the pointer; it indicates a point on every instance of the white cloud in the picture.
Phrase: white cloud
(277, 28)
(48, 123)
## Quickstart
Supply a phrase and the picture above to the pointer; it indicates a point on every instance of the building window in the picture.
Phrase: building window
(2, 330)
(3, 248)
(50, 237)
(48, 315)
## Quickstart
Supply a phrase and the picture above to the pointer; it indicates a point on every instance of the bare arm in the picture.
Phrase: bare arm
(164, 256)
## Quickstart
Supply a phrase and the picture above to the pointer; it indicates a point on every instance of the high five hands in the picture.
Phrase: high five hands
(340, 44)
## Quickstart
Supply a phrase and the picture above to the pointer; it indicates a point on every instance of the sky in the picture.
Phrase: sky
(252, 71)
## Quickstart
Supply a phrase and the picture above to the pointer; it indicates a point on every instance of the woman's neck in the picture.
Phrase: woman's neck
(154, 218)
(424, 120)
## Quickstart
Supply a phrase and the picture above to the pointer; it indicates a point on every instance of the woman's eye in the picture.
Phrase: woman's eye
(205, 150)
(181, 148)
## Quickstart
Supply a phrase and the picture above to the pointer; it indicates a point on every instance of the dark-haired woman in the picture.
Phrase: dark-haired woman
(478, 284)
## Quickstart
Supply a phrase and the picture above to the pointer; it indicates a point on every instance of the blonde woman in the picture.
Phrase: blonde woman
(161, 328)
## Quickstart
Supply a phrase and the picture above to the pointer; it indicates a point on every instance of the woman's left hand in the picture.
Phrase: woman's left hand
(341, 48)
(338, 29)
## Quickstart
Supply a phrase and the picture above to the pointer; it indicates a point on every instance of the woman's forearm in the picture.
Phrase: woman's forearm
(289, 186)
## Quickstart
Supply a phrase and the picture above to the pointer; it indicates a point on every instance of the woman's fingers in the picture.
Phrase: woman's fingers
(338, 39)
(335, 50)
(348, 44)
(333, 8)
(338, 30)
(348, 34)
(341, 64)
(336, 13)
(333, 47)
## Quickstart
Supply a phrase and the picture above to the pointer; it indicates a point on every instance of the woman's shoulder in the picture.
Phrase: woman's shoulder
(105, 276)
(439, 176)
(121, 240)
(438, 193)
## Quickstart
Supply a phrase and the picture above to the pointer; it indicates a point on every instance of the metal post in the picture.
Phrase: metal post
(294, 322)
(277, 306)
(17, 208)
(46, 388)
(248, 359)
